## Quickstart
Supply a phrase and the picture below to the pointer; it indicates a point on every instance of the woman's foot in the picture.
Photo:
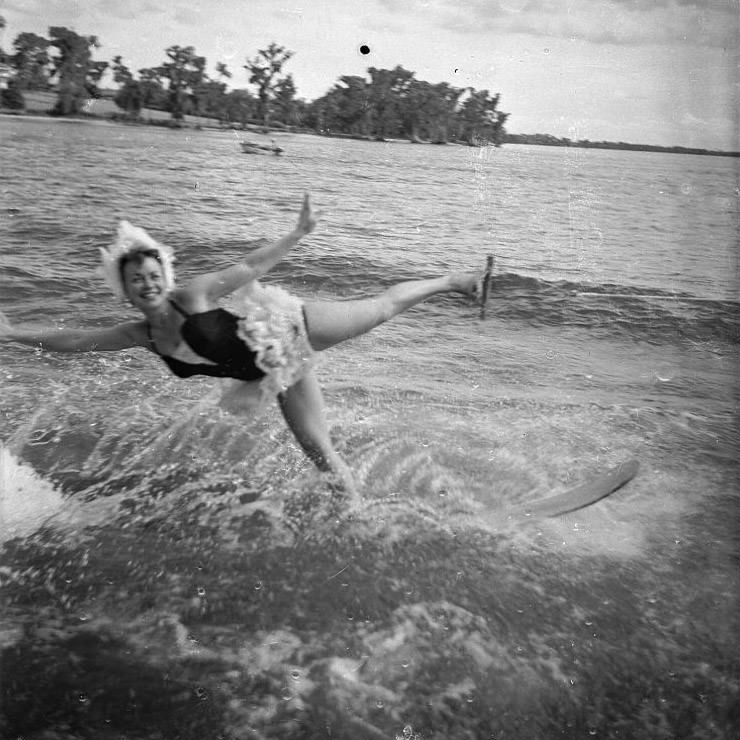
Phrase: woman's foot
(468, 283)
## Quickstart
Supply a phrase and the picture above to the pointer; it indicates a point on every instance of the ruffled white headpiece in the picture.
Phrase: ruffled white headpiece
(132, 239)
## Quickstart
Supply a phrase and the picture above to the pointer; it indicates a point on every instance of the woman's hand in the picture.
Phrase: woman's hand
(215, 285)
(306, 218)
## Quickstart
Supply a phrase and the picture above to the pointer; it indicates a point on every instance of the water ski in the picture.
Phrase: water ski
(582, 495)
(486, 286)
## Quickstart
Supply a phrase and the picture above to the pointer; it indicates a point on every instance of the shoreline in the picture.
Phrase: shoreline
(526, 139)
(61, 119)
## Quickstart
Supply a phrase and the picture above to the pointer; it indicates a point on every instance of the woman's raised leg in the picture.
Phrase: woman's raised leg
(331, 322)
(303, 408)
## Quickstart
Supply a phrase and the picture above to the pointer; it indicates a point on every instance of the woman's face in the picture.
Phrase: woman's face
(144, 283)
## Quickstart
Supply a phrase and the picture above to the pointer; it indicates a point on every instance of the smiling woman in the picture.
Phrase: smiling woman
(143, 272)
(267, 346)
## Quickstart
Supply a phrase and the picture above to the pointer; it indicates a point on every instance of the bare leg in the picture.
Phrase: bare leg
(331, 322)
(303, 408)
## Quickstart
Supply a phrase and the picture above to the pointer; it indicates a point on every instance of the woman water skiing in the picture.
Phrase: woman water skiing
(264, 348)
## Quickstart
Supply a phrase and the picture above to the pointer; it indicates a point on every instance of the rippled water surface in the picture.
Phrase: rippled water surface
(173, 571)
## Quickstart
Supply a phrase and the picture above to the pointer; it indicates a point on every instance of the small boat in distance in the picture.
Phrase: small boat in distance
(252, 147)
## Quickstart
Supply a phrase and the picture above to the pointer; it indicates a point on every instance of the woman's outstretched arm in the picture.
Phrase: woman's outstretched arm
(215, 285)
(118, 337)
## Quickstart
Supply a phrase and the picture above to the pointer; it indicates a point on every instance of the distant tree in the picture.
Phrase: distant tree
(240, 106)
(499, 130)
(129, 95)
(320, 114)
(222, 71)
(153, 93)
(264, 72)
(299, 112)
(209, 97)
(346, 107)
(392, 102)
(440, 111)
(480, 122)
(285, 106)
(121, 73)
(12, 96)
(185, 72)
(31, 61)
(418, 110)
(386, 92)
(3, 55)
(77, 74)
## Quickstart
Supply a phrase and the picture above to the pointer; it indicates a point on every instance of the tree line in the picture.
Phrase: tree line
(386, 103)
(550, 140)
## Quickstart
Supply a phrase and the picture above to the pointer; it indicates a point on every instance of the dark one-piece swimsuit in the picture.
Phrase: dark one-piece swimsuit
(212, 335)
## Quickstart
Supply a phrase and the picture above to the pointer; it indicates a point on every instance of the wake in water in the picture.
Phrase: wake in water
(79, 470)
(202, 578)
(609, 309)
(26, 499)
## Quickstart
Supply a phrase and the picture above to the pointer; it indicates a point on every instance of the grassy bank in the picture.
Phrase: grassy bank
(42, 103)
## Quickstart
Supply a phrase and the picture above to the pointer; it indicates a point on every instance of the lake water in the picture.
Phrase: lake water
(171, 571)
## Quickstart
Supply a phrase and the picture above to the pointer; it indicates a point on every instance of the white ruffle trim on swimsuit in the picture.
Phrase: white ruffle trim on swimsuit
(272, 326)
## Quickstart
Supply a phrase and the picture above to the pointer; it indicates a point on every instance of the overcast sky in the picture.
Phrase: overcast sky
(644, 71)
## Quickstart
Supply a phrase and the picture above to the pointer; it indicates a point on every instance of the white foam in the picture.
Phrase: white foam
(26, 499)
